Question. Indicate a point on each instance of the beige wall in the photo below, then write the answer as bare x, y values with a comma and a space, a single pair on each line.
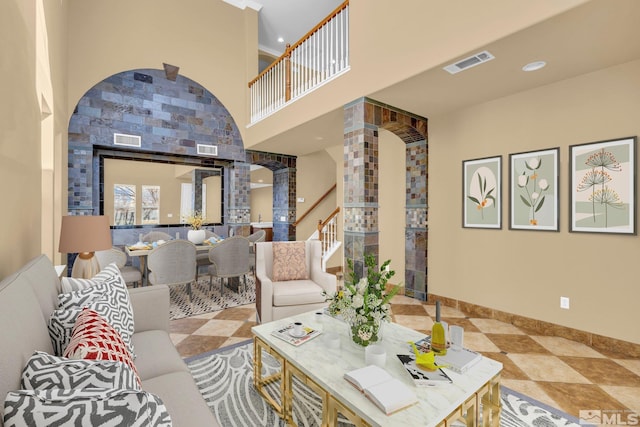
526, 272
315, 176
262, 198
30, 195
213, 43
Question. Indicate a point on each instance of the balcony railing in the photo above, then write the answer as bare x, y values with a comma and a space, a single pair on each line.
321, 55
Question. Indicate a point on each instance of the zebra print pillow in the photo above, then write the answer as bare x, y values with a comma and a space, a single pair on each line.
44, 371
109, 298
97, 407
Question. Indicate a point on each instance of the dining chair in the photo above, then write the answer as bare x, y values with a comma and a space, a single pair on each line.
154, 236
258, 236
229, 258
202, 258
130, 274
173, 263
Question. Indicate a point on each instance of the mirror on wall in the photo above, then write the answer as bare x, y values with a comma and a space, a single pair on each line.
143, 192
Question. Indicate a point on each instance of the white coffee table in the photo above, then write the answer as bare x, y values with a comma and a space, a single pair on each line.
322, 369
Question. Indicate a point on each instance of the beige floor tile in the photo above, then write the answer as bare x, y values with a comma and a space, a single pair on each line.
479, 342
628, 396
176, 338
530, 388
444, 311
631, 364
547, 368
419, 323
207, 316
492, 326
401, 299
564, 347
219, 328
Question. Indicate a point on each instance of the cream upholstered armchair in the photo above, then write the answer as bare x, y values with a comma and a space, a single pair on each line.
282, 287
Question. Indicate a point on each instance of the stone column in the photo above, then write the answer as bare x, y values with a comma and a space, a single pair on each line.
237, 186
284, 204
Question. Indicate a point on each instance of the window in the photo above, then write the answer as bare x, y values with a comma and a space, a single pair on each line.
124, 204
151, 204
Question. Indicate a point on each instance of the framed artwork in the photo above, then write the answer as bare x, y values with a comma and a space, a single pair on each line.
603, 191
482, 199
533, 188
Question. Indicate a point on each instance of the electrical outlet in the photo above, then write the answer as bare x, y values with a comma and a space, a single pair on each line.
283, 218
564, 302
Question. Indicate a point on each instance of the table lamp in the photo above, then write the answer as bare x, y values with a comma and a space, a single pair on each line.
84, 235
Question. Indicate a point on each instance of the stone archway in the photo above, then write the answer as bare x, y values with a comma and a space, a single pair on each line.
362, 119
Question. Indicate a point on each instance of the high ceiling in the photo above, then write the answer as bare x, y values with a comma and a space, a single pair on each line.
584, 39
289, 19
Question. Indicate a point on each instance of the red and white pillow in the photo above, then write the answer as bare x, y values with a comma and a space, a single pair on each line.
94, 338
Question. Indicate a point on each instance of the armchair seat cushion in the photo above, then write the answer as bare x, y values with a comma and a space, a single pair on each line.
296, 292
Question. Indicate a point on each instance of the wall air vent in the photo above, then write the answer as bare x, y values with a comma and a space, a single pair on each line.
127, 140
469, 62
208, 150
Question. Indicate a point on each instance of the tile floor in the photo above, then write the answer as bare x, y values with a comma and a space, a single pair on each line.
556, 371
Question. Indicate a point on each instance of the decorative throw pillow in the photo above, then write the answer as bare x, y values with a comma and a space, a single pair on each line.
289, 261
44, 371
108, 297
97, 407
95, 339
70, 284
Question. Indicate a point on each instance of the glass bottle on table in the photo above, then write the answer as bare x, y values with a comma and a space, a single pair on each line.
438, 336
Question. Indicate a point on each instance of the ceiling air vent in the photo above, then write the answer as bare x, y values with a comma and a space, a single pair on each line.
208, 150
469, 62
127, 140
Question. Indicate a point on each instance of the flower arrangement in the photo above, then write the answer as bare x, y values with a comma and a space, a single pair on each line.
195, 220
364, 302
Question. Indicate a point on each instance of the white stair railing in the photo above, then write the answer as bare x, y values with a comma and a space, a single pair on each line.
320, 56
327, 233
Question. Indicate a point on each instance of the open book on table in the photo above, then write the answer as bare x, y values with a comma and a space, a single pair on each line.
386, 392
286, 333
458, 359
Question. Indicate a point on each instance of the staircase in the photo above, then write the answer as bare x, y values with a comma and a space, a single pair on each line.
327, 233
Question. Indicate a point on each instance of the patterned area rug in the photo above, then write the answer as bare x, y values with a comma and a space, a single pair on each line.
205, 298
225, 379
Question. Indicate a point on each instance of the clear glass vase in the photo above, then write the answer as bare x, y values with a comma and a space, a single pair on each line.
364, 333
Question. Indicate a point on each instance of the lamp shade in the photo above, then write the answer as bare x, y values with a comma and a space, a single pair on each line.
84, 234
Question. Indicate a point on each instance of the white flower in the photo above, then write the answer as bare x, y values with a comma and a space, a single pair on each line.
522, 180
362, 285
543, 184
534, 196
534, 163
358, 301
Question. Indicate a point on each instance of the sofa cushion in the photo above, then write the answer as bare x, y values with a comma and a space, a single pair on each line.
157, 354
44, 371
289, 261
297, 292
109, 298
97, 407
183, 399
95, 339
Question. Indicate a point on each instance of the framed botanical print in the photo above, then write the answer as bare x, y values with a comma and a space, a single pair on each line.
603, 191
533, 190
482, 198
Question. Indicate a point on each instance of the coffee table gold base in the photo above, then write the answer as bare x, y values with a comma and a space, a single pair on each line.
486, 399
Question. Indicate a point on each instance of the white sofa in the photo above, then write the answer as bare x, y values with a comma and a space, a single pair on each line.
277, 300
27, 299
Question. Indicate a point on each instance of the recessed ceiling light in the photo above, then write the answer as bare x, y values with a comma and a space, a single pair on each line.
534, 66
280, 40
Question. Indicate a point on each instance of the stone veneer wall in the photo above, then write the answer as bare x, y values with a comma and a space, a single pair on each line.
171, 117
362, 118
